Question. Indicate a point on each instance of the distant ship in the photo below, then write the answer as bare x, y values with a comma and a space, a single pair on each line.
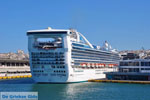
63, 56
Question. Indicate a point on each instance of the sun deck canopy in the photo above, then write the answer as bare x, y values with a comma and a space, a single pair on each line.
47, 31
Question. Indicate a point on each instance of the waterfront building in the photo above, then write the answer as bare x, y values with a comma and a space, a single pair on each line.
135, 69
9, 67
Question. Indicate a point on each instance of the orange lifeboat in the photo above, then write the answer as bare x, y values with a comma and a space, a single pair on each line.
83, 64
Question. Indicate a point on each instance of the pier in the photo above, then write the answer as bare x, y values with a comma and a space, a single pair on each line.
120, 81
13, 77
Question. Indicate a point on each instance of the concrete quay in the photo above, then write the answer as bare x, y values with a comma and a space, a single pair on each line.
14, 77
120, 81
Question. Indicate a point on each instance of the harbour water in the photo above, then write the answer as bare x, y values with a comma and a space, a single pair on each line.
79, 91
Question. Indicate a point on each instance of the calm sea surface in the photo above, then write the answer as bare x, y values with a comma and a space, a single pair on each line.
79, 91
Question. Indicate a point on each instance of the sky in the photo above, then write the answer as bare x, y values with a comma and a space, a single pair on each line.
125, 24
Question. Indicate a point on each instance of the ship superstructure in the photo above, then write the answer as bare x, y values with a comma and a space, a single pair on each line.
67, 56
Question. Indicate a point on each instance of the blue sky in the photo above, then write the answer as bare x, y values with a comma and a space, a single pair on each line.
125, 24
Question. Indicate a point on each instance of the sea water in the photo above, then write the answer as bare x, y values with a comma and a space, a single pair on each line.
79, 91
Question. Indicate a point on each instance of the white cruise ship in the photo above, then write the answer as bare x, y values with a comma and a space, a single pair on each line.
63, 56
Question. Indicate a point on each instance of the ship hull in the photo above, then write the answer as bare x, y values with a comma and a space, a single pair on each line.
78, 75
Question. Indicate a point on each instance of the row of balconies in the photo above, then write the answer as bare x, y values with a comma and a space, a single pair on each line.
47, 56
48, 63
58, 66
47, 53
37, 59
